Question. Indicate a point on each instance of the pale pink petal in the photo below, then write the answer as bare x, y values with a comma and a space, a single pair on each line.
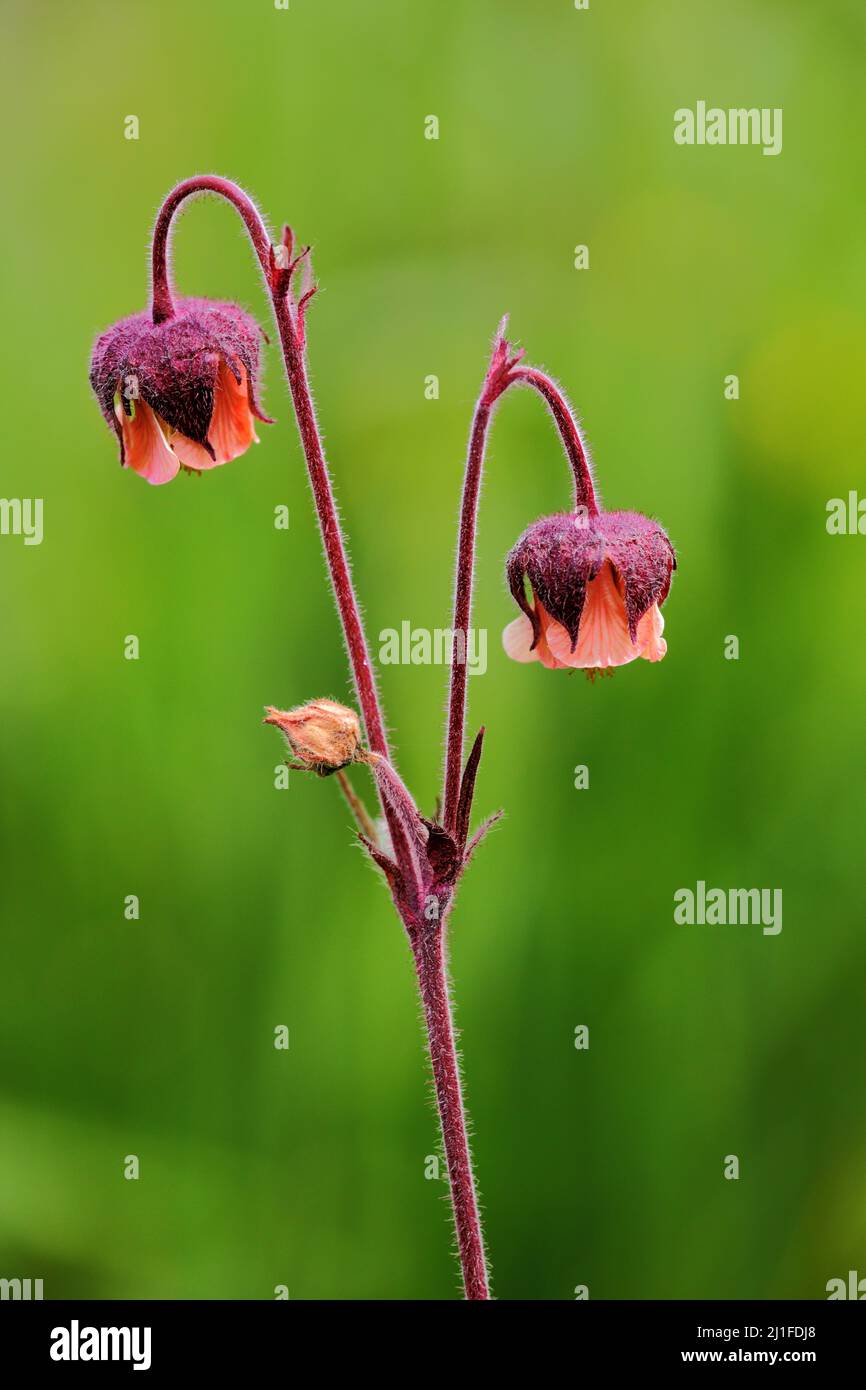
545, 652
191, 455
144, 445
603, 639
517, 640
649, 635
231, 429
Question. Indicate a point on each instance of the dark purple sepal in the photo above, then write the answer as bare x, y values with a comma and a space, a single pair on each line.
643, 559
173, 365
559, 555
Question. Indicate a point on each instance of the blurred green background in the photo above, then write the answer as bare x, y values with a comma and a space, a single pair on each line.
155, 777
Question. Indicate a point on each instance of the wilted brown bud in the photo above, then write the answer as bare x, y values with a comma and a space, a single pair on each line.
323, 735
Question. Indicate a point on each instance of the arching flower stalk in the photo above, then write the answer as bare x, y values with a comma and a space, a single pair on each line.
178, 385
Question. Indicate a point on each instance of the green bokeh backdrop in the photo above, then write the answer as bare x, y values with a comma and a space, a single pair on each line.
155, 777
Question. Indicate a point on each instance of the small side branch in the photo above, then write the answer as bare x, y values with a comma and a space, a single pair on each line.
506, 369
363, 819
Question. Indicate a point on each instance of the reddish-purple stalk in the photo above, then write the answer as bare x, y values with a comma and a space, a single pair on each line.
430, 965
290, 326
503, 372
427, 938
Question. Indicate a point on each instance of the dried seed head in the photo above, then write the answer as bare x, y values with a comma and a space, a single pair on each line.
323, 735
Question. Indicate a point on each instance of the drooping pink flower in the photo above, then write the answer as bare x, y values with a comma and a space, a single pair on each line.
183, 392
596, 584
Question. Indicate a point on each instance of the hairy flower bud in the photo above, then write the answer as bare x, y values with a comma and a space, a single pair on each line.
323, 735
180, 393
597, 583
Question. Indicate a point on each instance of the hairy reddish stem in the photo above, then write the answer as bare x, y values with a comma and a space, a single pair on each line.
563, 415
395, 795
427, 945
162, 302
501, 374
290, 338
428, 948
332, 536
289, 323
463, 610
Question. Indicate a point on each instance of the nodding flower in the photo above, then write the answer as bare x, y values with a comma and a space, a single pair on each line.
590, 587
181, 393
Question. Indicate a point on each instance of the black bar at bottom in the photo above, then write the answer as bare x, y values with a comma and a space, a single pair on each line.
221, 1338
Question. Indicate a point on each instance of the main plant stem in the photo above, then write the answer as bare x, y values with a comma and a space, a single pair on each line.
427, 945
293, 356
332, 536
428, 948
